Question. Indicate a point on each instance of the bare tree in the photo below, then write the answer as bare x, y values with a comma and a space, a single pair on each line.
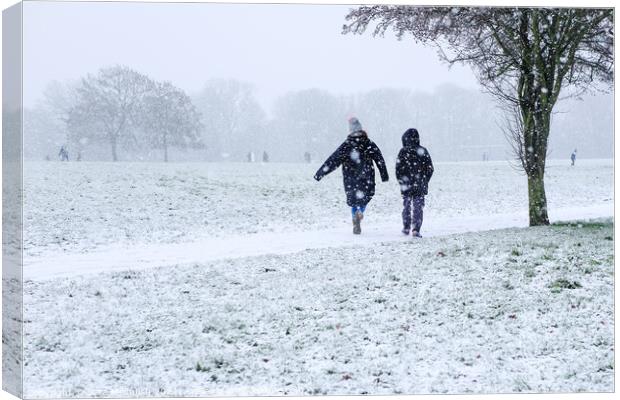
525, 57
310, 120
170, 118
231, 115
108, 105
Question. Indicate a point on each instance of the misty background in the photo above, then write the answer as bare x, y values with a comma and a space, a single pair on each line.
279, 79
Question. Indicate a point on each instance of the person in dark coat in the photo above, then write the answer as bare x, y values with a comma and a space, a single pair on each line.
414, 169
356, 155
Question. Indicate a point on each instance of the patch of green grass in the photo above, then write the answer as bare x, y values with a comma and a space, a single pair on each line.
515, 252
547, 257
584, 224
201, 368
559, 284
520, 385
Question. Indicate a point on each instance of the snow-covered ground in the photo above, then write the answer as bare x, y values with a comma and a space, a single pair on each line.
519, 310
77, 207
218, 279
124, 256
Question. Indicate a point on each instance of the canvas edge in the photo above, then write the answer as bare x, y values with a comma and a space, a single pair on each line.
12, 201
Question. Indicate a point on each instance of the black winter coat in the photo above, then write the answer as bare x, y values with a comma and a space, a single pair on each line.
414, 166
356, 155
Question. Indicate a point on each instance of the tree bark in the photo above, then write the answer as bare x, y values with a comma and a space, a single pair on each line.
113, 146
536, 155
165, 149
537, 200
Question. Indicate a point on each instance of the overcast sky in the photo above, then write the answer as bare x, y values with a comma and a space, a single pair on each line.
276, 47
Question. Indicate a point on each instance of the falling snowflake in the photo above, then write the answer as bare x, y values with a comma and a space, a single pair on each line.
420, 151
355, 155
359, 194
325, 169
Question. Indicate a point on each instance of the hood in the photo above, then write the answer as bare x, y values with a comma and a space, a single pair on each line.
411, 138
359, 140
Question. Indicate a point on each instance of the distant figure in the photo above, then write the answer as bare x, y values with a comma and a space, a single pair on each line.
307, 157
356, 155
573, 157
265, 156
485, 156
79, 156
251, 156
47, 157
414, 169
63, 154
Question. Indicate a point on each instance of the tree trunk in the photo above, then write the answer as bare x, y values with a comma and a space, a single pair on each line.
113, 146
537, 199
165, 149
536, 137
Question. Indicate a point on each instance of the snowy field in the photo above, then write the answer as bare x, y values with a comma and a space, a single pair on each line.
237, 279
77, 207
520, 310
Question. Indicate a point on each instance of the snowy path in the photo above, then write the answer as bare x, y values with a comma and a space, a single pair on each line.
121, 258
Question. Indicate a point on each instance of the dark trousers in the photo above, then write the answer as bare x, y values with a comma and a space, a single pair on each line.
413, 207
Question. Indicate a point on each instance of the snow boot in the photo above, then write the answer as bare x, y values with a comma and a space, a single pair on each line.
416, 234
357, 219
405, 231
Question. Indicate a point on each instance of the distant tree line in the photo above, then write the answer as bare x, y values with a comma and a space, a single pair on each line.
117, 108
120, 114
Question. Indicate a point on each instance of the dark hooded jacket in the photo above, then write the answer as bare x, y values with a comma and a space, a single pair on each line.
356, 155
414, 166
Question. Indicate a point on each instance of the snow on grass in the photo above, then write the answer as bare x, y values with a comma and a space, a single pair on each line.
78, 207
518, 310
